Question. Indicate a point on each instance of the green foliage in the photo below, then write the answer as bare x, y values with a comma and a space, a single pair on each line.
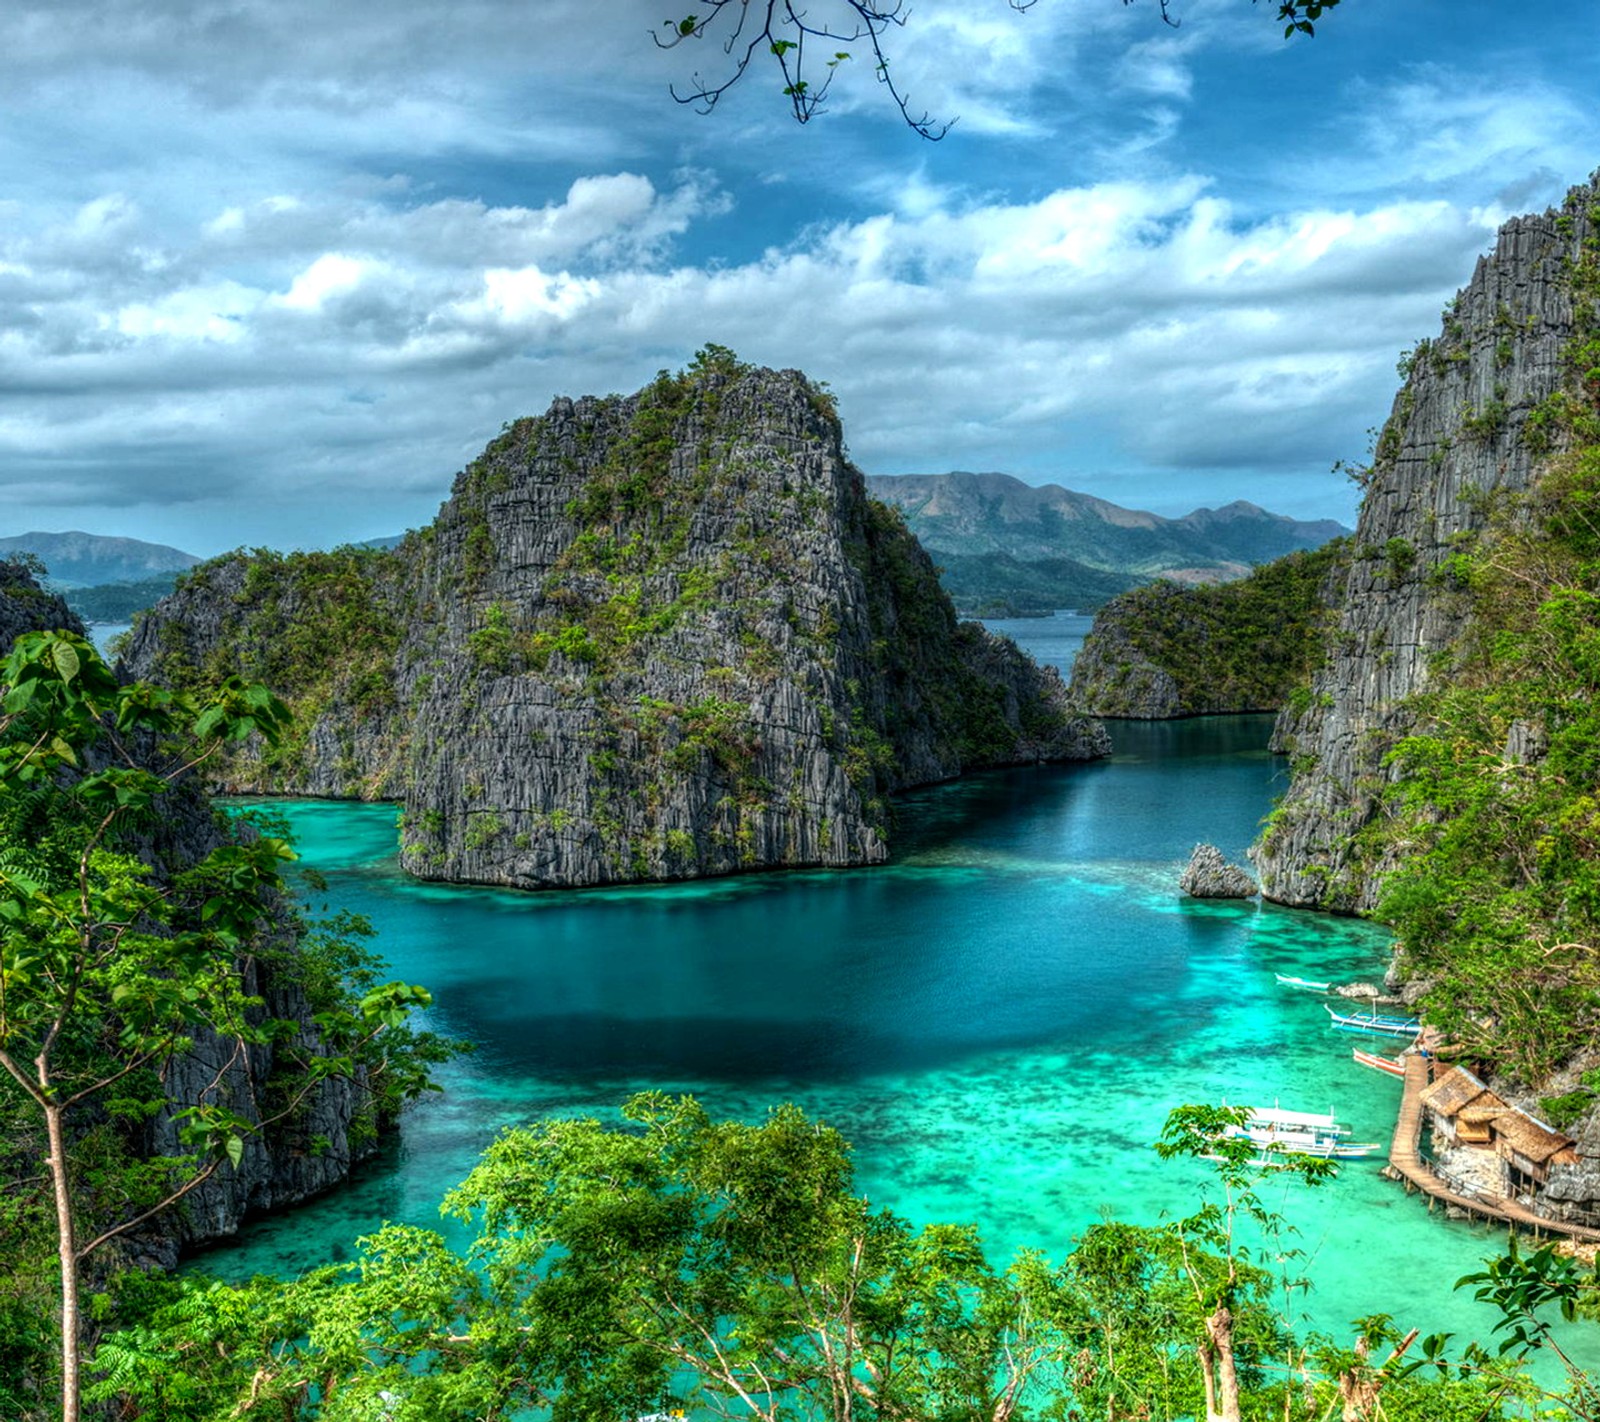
491, 646
1240, 646
1401, 557
118, 948
1523, 1290
998, 585
1485, 424
320, 626
119, 602
1570, 1107
670, 1261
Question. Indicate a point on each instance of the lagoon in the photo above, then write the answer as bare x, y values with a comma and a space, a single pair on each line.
999, 1020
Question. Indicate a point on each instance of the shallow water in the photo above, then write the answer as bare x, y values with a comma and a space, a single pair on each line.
999, 1021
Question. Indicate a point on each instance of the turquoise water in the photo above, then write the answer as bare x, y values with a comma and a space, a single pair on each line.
999, 1021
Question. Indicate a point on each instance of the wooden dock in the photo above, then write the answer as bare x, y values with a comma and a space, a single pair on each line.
1406, 1161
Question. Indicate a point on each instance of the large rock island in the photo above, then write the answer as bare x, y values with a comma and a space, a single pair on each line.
1169, 650
654, 637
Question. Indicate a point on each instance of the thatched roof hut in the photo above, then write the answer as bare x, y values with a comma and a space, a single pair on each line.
1529, 1146
1462, 1108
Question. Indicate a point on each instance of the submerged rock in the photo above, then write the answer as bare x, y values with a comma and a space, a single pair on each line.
1210, 876
1368, 992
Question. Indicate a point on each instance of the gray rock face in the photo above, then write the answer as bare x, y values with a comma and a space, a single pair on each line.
1210, 876
26, 607
285, 1163
1454, 439
1573, 1191
658, 637
1113, 677
279, 1166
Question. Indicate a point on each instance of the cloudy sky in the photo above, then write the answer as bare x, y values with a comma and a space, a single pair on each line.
271, 271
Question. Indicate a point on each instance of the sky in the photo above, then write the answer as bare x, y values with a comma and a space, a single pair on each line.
272, 271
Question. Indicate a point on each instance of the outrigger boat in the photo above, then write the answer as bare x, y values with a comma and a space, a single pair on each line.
1374, 1024
1393, 1065
1285, 981
1278, 1132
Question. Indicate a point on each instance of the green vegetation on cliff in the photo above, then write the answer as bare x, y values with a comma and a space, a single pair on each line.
998, 585
1495, 820
1173, 650
318, 625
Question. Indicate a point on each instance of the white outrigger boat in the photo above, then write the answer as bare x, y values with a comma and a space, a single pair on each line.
1276, 1131
1374, 1024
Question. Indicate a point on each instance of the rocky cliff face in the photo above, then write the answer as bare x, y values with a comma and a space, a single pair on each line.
285, 1163
279, 1166
27, 607
647, 638
1467, 429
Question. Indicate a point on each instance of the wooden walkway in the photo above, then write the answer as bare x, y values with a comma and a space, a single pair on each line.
1409, 1165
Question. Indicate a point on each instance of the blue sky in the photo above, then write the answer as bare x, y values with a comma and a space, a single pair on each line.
272, 272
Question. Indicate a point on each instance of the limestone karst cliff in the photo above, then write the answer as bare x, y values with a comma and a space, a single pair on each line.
1471, 428
25, 606
657, 637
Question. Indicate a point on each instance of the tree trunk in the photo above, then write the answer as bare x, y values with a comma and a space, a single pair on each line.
1208, 1372
67, 1246
1221, 1372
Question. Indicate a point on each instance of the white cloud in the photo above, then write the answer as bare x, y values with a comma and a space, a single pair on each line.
269, 251
1152, 309
332, 274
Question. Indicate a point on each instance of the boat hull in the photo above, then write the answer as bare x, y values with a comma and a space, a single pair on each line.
1389, 1065
1301, 983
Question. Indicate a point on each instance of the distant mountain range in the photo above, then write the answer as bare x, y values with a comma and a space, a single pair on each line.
1009, 548
976, 515
78, 560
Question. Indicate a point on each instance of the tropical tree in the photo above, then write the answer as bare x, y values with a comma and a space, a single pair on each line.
113, 965
1211, 1133
1524, 1290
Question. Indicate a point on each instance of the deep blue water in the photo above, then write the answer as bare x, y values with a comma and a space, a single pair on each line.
999, 1020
